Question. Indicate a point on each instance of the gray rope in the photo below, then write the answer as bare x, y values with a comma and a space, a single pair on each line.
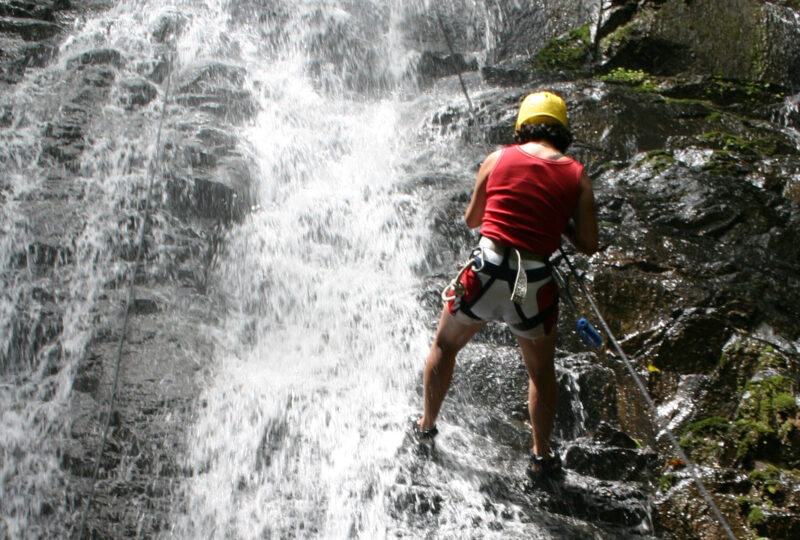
131, 295
645, 394
452, 53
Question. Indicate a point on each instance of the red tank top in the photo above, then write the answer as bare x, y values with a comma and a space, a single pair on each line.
529, 200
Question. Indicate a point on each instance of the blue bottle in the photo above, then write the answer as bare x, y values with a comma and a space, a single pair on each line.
588, 333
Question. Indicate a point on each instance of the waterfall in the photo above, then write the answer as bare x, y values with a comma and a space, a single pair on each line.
301, 424
319, 336
300, 127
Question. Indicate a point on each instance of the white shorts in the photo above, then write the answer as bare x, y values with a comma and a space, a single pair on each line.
487, 293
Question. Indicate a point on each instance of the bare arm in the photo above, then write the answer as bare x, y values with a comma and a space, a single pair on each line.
477, 205
583, 234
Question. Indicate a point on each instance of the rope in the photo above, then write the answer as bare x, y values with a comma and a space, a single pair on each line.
131, 296
452, 53
657, 418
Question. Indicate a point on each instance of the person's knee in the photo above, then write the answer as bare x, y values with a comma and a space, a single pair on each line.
447, 347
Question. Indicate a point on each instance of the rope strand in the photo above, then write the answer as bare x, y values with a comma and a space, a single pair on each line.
131, 295
453, 54
646, 395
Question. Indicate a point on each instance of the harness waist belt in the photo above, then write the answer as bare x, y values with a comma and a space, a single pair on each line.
501, 267
505, 273
498, 248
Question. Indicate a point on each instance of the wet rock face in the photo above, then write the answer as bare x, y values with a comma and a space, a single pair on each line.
668, 38
431, 66
30, 32
698, 261
76, 224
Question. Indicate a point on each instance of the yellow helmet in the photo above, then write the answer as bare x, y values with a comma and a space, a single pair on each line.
542, 108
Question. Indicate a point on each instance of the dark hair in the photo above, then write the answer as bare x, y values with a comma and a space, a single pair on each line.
555, 134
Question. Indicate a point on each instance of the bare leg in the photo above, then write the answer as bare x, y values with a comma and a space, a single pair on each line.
538, 356
451, 336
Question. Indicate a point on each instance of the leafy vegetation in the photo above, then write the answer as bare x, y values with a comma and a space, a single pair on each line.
726, 91
659, 160
637, 79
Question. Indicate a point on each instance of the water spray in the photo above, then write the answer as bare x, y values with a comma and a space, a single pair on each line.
154, 166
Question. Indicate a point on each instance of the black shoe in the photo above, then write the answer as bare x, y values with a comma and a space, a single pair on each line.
422, 438
545, 468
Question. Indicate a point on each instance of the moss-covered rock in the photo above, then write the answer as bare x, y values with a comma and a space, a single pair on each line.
637, 79
766, 422
754, 147
752, 410
659, 160
737, 40
569, 53
634, 46
705, 440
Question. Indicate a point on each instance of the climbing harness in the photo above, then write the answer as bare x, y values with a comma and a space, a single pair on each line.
455, 289
477, 262
131, 290
646, 395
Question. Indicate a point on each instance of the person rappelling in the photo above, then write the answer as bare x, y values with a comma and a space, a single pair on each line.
525, 197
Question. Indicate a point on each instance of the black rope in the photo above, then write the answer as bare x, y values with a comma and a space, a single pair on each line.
131, 297
645, 394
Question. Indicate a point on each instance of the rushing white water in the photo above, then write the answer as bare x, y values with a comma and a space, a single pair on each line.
321, 341
302, 422
322, 337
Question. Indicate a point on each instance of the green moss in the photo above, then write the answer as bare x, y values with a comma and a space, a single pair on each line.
754, 147
637, 79
745, 501
666, 481
774, 488
659, 160
770, 472
568, 53
620, 36
701, 438
727, 92
784, 404
712, 424
771, 485
724, 163
764, 416
769, 358
755, 517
